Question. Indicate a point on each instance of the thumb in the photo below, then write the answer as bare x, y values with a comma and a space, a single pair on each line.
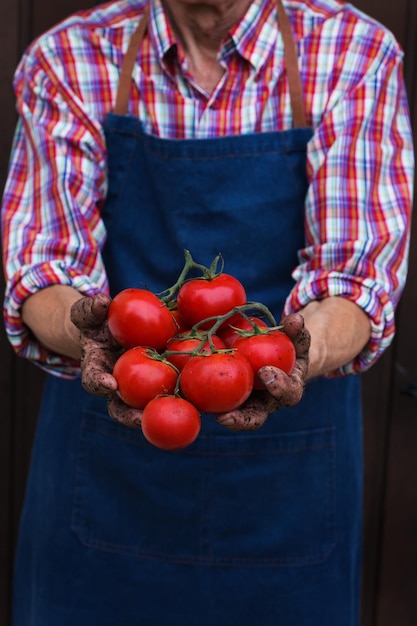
90, 311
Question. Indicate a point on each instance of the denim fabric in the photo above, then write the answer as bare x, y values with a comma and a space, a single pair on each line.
251, 528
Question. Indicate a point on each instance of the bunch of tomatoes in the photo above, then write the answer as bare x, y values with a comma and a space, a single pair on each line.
196, 348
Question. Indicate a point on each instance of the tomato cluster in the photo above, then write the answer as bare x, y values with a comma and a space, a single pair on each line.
194, 350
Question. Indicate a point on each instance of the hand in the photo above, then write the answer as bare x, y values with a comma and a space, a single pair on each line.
282, 390
99, 352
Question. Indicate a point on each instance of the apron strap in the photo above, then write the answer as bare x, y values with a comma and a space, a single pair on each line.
290, 55
293, 73
125, 80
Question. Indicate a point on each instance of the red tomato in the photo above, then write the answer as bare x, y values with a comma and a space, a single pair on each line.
142, 375
170, 423
180, 324
217, 383
137, 317
274, 348
229, 333
183, 344
200, 298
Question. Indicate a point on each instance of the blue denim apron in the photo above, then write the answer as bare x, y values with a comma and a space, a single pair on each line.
239, 528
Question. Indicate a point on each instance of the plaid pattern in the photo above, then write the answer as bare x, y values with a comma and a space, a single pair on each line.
359, 161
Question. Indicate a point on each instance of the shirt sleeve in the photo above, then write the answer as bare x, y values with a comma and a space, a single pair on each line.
358, 206
52, 231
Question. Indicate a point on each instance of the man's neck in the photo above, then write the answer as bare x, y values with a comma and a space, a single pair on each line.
201, 26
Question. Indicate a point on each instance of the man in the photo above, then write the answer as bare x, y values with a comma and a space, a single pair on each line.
279, 136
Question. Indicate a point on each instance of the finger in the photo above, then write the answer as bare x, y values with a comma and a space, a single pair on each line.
99, 337
251, 416
295, 329
98, 382
293, 324
90, 311
122, 413
246, 419
286, 390
97, 367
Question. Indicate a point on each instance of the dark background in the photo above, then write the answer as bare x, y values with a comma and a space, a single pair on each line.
390, 555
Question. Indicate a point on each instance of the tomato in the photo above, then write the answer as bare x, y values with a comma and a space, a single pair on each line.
273, 348
137, 317
229, 333
186, 343
141, 375
217, 383
170, 423
200, 298
181, 326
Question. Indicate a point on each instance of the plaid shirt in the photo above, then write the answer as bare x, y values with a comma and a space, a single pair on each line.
359, 161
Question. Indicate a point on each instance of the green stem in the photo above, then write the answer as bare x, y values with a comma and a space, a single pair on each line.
208, 335
194, 333
168, 295
249, 306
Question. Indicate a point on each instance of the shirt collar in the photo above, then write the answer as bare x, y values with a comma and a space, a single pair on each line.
254, 35
251, 37
160, 30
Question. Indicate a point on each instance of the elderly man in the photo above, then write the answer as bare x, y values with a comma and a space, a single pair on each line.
277, 133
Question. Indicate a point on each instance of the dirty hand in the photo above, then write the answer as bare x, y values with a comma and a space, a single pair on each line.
282, 390
99, 352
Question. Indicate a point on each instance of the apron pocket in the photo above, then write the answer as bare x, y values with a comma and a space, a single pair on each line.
131, 498
233, 500
272, 499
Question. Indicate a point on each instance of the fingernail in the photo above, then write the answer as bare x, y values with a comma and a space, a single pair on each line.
225, 421
266, 378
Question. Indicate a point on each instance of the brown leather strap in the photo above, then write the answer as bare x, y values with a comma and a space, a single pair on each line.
293, 73
290, 54
125, 80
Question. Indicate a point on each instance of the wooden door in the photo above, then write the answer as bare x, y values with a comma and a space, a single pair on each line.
390, 403
390, 424
20, 381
